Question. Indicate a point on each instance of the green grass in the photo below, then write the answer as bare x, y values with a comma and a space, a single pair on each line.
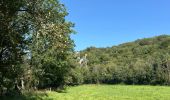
106, 92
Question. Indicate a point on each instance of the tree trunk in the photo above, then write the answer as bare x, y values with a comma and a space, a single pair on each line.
22, 84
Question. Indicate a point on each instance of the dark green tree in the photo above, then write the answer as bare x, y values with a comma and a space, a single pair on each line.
13, 43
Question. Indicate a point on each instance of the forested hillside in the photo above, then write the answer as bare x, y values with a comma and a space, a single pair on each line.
144, 61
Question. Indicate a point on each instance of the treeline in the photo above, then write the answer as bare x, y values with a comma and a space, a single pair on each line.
35, 45
144, 61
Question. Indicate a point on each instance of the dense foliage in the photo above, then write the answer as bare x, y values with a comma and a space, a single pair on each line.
144, 61
35, 45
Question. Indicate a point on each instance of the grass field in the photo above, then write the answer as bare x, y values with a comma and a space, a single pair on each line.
106, 92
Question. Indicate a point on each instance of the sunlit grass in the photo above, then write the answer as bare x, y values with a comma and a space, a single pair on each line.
107, 92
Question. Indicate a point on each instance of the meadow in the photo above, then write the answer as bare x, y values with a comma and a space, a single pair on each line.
103, 92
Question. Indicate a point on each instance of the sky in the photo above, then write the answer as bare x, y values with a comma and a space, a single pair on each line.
105, 23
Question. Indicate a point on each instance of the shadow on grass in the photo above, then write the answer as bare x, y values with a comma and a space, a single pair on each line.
61, 91
32, 95
28, 96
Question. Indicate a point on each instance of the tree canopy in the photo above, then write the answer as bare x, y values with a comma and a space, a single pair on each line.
144, 61
35, 44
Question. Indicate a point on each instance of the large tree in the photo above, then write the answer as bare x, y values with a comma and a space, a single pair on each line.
51, 42
37, 28
13, 44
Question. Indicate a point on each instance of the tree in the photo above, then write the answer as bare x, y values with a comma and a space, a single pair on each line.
13, 44
51, 42
37, 28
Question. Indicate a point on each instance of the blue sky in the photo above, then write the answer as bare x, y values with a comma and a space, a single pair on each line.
104, 23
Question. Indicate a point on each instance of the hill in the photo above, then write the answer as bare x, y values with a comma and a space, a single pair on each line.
144, 61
